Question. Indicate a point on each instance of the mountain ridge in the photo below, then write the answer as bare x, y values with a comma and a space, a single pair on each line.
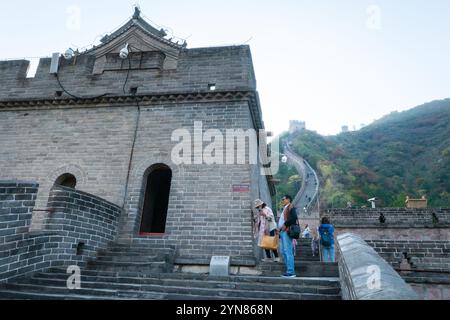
402, 154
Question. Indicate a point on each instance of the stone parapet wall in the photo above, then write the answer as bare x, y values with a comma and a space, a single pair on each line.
365, 275
77, 227
395, 218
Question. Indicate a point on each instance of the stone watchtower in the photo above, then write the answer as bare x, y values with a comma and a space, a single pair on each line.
104, 124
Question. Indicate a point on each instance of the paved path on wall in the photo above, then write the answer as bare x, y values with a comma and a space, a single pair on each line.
310, 181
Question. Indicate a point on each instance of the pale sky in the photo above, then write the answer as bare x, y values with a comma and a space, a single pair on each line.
327, 62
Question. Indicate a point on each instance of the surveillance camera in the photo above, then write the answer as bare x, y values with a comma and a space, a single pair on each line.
124, 52
69, 54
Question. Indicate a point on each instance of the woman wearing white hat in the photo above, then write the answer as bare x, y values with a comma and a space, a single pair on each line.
267, 226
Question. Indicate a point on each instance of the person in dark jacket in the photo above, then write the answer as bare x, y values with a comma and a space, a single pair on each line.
287, 219
326, 231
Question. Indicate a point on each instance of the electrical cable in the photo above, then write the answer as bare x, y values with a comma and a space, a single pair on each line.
128, 72
74, 96
64, 89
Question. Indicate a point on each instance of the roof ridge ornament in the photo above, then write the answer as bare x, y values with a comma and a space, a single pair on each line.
137, 12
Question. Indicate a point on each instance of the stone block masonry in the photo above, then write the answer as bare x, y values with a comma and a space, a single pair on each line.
425, 255
365, 275
229, 68
415, 242
79, 226
431, 224
109, 134
396, 218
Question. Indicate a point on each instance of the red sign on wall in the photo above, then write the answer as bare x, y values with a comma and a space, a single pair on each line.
241, 188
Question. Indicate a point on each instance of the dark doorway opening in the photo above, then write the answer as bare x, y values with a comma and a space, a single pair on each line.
67, 180
156, 201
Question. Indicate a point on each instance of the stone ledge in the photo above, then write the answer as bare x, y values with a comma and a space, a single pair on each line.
235, 261
356, 262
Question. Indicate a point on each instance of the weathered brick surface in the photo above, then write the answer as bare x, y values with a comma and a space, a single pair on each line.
418, 234
365, 275
94, 145
81, 217
431, 291
422, 236
400, 218
205, 216
425, 255
78, 217
230, 68
94, 139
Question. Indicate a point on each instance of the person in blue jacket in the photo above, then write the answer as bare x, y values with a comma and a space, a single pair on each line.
326, 231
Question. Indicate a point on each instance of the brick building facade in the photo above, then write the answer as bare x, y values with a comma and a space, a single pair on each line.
105, 124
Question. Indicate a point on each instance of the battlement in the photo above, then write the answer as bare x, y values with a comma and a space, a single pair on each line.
152, 64
13, 70
393, 217
227, 68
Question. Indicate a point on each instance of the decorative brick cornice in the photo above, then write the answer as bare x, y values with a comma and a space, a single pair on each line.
123, 99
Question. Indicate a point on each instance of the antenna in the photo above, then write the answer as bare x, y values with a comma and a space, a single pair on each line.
55, 63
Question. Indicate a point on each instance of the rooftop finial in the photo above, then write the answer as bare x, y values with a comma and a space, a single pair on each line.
137, 12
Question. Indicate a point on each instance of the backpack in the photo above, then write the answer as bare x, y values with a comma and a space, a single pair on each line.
325, 239
294, 231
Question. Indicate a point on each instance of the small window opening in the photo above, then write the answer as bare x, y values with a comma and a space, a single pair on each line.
133, 90
80, 248
67, 180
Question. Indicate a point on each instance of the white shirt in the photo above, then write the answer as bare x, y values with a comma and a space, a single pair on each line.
281, 221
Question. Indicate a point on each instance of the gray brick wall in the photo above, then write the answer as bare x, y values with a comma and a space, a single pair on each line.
93, 141
78, 217
426, 255
230, 68
357, 262
395, 218
93, 144
81, 217
205, 216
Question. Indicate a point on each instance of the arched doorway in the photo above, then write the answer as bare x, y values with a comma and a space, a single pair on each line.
156, 200
66, 180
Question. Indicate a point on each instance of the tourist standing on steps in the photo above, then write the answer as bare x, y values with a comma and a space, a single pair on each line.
315, 242
326, 231
307, 232
267, 226
287, 219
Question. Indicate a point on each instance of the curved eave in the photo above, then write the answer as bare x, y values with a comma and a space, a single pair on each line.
127, 27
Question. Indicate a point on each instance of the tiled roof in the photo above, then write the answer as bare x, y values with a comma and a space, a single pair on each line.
138, 22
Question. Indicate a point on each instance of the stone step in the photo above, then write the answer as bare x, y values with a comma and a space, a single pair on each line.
302, 268
249, 283
249, 261
153, 266
17, 295
128, 258
137, 251
92, 275
142, 292
165, 285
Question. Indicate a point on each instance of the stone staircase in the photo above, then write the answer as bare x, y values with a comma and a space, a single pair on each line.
134, 258
140, 272
306, 265
106, 285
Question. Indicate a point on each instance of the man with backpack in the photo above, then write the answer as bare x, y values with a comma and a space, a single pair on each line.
289, 230
326, 231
